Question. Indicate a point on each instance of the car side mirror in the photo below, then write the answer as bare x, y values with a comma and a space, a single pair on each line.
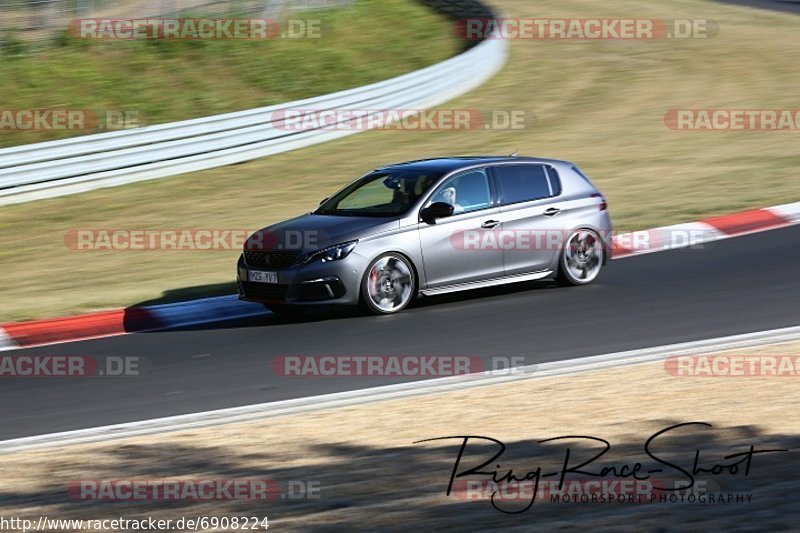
436, 210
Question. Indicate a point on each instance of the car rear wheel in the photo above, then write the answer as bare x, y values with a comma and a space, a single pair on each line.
389, 284
581, 258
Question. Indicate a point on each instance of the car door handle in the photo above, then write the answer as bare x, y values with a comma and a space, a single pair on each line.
489, 224
552, 211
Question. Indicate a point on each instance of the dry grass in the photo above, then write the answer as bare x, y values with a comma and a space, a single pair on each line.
371, 474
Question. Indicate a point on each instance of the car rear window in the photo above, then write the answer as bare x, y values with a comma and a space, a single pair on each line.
521, 183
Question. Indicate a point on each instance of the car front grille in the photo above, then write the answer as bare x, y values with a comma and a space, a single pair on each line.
272, 260
264, 291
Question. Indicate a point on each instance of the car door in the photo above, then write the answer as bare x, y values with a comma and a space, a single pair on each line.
531, 215
453, 250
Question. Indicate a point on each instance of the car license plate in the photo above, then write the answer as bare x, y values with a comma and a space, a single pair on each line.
259, 276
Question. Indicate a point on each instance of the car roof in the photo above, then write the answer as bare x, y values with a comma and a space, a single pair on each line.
449, 164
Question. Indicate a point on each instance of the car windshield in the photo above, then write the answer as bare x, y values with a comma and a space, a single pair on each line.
383, 193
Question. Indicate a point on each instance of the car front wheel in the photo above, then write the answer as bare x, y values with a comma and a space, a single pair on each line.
388, 285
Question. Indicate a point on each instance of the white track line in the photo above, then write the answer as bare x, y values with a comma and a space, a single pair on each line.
391, 392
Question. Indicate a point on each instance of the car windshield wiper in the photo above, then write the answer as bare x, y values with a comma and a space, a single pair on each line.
337, 213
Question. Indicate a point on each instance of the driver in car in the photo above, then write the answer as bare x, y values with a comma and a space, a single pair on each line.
448, 196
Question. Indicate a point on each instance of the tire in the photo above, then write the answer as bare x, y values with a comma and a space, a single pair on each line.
389, 284
581, 259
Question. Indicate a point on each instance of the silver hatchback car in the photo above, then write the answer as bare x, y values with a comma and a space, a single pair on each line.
430, 227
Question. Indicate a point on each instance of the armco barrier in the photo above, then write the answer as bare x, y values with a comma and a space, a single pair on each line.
84, 163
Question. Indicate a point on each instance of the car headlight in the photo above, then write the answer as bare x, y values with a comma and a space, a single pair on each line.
332, 253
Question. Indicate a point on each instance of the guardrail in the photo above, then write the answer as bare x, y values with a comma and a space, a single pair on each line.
78, 164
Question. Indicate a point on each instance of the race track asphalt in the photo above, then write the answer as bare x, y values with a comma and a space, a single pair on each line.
733, 286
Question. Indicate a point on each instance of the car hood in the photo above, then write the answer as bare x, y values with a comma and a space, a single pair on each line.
312, 232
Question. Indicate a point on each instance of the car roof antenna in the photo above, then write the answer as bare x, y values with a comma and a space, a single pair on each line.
513, 154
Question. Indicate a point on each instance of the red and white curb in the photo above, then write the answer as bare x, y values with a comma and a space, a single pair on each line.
121, 321
221, 308
706, 230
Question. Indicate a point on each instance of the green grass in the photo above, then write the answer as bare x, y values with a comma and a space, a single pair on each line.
172, 80
600, 104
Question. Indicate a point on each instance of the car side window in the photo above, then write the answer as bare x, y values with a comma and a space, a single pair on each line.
468, 191
555, 180
522, 183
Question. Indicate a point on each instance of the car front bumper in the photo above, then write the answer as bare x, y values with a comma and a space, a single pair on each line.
316, 283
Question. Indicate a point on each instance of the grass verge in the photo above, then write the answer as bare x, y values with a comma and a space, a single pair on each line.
168, 80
